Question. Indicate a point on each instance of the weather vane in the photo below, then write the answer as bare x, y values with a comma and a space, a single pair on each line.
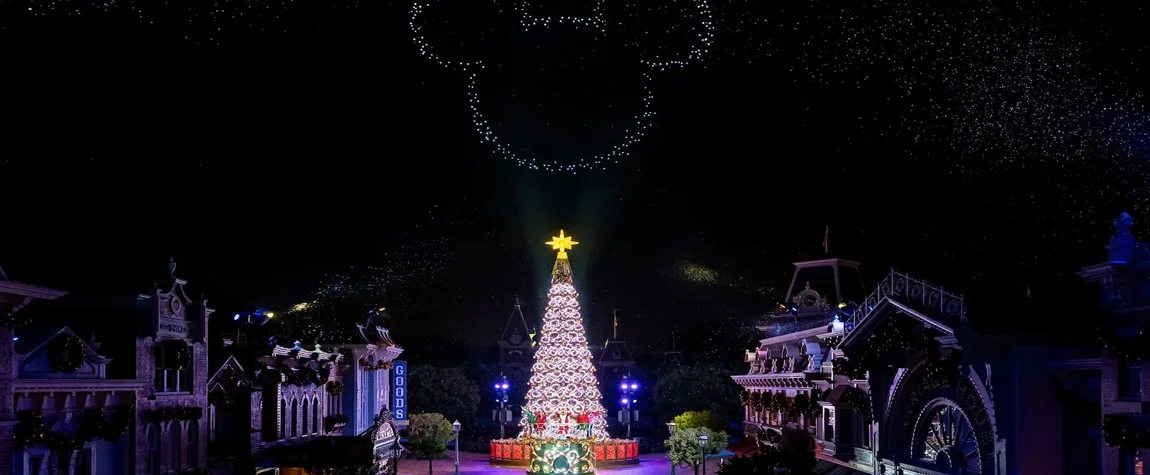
561, 244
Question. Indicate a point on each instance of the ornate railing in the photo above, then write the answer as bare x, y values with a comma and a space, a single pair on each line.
935, 301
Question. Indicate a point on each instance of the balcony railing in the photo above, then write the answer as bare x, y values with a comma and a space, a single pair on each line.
934, 301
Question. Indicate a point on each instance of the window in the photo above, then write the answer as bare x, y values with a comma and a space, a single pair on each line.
173, 373
294, 411
283, 419
303, 427
829, 428
153, 436
1129, 463
315, 416
194, 444
36, 464
1129, 380
84, 462
177, 462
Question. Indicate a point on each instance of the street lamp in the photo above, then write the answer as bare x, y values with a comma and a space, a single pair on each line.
703, 450
502, 388
671, 427
395, 450
627, 388
455, 425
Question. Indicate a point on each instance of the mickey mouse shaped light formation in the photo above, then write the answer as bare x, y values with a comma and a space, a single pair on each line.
470, 70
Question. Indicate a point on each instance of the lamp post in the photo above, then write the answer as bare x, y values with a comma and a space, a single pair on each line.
395, 450
502, 387
671, 428
703, 450
455, 425
627, 388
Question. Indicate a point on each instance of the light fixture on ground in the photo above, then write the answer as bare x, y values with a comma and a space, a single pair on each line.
703, 451
455, 425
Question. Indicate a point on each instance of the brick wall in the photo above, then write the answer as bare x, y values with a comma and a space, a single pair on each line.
148, 401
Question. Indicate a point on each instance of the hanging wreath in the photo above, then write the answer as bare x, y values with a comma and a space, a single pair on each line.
66, 353
861, 402
181, 354
334, 387
778, 402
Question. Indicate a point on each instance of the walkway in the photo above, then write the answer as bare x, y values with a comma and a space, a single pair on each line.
475, 464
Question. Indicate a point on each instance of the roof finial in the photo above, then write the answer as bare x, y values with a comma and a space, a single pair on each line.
517, 302
172, 266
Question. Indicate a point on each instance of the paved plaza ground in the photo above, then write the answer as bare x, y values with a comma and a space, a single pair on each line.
649, 464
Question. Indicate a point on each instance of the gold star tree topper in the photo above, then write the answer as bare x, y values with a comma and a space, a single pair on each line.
561, 244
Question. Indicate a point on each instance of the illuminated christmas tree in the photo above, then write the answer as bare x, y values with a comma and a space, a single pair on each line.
563, 400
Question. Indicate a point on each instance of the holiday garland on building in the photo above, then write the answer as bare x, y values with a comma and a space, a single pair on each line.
1115, 433
94, 424
861, 402
334, 387
1128, 348
14, 320
563, 386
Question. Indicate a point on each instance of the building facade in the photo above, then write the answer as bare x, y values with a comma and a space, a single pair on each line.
899, 383
89, 401
1124, 284
277, 409
516, 349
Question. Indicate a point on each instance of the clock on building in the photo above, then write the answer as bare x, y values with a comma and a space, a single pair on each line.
515, 339
175, 304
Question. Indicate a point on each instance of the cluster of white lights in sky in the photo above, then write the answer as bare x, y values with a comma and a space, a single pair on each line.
471, 70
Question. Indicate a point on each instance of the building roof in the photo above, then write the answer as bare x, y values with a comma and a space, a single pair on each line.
516, 324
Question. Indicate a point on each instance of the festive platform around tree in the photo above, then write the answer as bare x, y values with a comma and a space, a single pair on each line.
563, 428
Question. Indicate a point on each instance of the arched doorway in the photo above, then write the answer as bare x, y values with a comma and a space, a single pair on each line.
945, 437
941, 422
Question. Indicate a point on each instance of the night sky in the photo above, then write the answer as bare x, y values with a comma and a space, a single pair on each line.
288, 152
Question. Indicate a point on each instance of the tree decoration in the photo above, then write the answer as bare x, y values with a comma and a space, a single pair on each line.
596, 23
861, 402
66, 353
334, 387
563, 383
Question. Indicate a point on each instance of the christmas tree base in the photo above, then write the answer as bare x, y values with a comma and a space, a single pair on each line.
605, 453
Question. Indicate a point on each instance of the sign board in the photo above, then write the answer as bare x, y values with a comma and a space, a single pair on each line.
171, 327
399, 391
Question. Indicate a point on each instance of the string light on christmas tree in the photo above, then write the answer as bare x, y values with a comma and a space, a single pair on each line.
703, 36
563, 398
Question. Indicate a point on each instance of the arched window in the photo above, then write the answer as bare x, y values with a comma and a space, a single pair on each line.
303, 418
315, 416
194, 443
153, 461
294, 421
176, 442
283, 419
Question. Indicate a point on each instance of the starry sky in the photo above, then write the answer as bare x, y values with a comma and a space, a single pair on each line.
345, 151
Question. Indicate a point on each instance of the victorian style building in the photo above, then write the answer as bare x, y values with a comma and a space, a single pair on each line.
1124, 282
895, 381
79, 399
516, 348
278, 409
